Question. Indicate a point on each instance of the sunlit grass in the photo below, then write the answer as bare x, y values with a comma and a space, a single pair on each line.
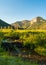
41, 50
9, 30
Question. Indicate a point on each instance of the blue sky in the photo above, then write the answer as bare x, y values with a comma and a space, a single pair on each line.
16, 10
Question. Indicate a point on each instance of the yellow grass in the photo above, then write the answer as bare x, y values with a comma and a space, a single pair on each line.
9, 30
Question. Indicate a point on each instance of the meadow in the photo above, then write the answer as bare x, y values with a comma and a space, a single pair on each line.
33, 43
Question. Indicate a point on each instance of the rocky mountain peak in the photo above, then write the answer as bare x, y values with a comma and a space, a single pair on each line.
37, 19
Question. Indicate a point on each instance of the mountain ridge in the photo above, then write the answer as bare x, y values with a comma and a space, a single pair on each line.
35, 23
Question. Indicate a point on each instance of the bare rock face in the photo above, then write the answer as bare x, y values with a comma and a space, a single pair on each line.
33, 20
37, 19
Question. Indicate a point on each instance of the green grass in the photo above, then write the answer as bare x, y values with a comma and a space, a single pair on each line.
6, 60
36, 39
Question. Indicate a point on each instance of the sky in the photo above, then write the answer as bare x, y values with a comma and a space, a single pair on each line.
17, 10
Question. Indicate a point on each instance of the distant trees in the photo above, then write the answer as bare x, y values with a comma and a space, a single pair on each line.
6, 27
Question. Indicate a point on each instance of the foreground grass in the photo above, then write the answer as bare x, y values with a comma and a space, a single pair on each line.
6, 60
39, 41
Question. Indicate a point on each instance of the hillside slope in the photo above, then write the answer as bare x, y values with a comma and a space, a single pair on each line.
3, 24
36, 23
21, 24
